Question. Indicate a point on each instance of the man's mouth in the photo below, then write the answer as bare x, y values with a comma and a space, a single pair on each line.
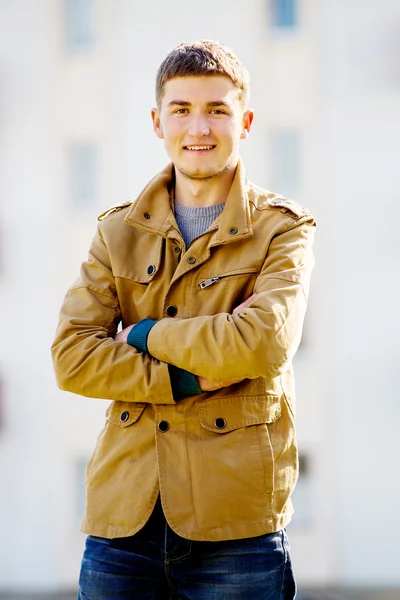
199, 148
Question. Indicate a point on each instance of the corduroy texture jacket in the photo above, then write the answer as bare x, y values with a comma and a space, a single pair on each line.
225, 462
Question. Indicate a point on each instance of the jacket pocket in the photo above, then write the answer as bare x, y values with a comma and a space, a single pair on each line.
124, 414
206, 282
140, 262
225, 290
236, 450
112, 456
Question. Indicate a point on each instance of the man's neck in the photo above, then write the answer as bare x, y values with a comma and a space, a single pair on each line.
203, 192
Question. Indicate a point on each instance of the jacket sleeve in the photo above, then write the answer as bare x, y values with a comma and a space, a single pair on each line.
87, 360
263, 338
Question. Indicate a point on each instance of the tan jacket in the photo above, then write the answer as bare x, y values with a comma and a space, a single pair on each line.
227, 464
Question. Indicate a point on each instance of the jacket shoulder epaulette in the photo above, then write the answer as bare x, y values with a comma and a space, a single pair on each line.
288, 205
113, 209
264, 199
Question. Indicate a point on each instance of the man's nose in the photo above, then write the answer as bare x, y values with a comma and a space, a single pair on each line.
198, 127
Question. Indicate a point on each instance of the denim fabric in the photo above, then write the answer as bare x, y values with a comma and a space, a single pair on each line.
157, 564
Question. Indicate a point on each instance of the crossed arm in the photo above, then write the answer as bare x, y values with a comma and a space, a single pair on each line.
256, 340
88, 356
204, 384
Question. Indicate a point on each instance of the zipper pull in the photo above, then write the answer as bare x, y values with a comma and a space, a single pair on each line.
208, 282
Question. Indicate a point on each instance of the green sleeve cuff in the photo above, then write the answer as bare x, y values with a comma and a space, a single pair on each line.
137, 336
183, 383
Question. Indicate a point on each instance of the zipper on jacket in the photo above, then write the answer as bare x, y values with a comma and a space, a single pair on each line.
209, 282
243, 271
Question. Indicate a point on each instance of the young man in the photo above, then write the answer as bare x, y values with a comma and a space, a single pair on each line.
188, 490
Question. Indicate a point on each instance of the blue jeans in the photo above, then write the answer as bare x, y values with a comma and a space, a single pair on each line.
157, 564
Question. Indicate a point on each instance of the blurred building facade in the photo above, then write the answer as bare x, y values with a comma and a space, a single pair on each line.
76, 89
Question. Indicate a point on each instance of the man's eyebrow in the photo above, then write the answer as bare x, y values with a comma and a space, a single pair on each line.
179, 103
219, 103
186, 103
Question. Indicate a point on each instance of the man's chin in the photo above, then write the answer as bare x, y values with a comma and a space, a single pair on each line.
201, 173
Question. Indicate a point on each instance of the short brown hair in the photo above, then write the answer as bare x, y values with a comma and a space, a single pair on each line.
203, 57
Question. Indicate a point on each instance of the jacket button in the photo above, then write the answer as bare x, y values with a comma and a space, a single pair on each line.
163, 426
146, 215
191, 260
171, 310
151, 269
177, 249
233, 231
220, 423
124, 416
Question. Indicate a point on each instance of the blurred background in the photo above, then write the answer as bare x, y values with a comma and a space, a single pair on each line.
76, 89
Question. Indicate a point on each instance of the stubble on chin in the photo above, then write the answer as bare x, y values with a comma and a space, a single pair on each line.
199, 174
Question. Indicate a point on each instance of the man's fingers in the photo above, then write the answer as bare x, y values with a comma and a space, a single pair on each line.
209, 386
122, 336
244, 304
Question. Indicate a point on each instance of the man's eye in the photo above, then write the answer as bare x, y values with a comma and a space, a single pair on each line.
180, 111
218, 111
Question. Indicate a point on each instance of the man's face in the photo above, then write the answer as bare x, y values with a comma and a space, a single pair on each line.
201, 121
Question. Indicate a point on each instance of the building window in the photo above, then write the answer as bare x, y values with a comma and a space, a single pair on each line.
284, 14
79, 25
83, 167
286, 151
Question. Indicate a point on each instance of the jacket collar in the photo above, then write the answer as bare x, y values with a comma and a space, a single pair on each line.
153, 211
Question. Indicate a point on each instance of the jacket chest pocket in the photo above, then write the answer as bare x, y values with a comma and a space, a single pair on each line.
139, 280
228, 289
114, 452
236, 451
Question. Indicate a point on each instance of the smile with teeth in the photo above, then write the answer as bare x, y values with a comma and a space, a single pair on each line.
199, 147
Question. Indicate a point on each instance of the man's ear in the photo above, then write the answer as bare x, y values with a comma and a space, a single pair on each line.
247, 121
155, 117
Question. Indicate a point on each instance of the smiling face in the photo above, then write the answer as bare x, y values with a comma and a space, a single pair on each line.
202, 121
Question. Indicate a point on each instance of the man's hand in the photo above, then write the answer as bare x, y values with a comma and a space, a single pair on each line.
210, 386
122, 336
244, 304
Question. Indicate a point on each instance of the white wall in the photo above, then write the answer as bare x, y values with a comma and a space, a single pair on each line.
363, 96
